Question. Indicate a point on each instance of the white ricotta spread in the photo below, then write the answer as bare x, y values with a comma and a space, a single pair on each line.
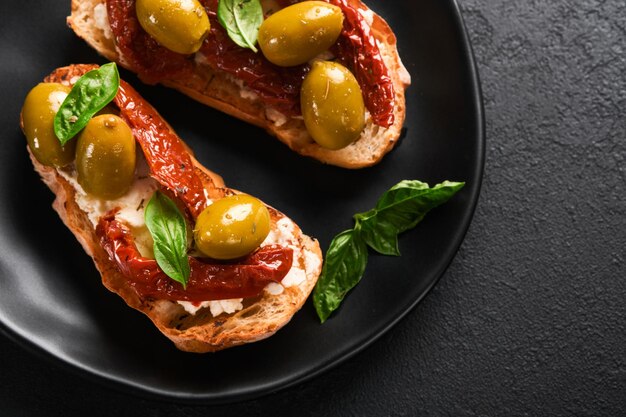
244, 92
275, 116
131, 204
56, 98
368, 15
217, 307
101, 20
248, 94
296, 276
200, 59
283, 235
274, 288
311, 261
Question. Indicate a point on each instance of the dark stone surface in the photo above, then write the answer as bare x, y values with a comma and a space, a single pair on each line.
529, 319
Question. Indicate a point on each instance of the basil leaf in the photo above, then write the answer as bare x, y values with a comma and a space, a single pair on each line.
399, 209
241, 19
90, 94
345, 263
169, 231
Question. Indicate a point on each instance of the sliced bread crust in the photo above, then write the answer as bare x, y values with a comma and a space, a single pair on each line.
220, 91
260, 317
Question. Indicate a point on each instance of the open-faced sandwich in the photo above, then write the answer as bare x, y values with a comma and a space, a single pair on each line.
326, 78
210, 266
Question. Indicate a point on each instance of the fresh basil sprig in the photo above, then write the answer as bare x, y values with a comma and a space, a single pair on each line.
241, 19
169, 231
345, 264
399, 209
94, 90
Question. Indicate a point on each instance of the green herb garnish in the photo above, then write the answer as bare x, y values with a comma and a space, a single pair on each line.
90, 94
241, 19
169, 231
399, 209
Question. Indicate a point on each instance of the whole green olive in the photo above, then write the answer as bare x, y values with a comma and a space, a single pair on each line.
232, 227
40, 107
332, 105
179, 25
105, 157
300, 32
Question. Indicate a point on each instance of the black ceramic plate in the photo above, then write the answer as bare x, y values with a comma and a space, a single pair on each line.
51, 298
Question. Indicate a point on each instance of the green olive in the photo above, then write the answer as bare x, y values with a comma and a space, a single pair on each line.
179, 25
232, 227
332, 105
105, 157
298, 33
40, 107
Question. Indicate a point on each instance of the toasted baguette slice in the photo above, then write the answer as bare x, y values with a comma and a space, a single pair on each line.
221, 91
200, 332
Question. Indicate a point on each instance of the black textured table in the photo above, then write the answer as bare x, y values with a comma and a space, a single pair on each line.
530, 317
